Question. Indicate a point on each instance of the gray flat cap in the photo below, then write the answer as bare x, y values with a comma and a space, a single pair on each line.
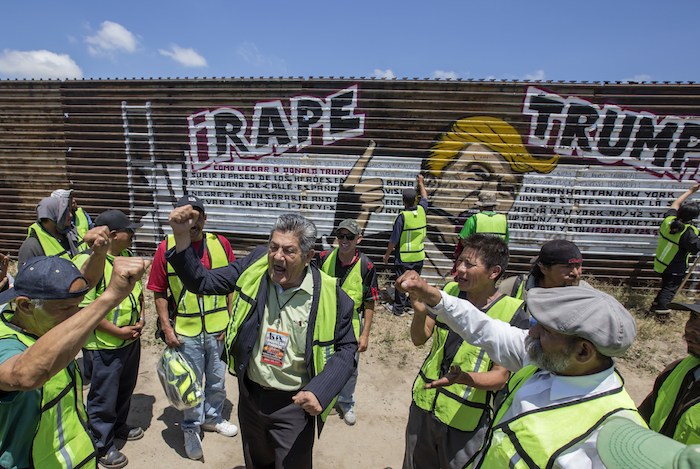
586, 313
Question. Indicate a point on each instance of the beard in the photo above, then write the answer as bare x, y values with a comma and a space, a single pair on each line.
555, 362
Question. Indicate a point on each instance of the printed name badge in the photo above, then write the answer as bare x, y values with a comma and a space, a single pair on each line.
275, 347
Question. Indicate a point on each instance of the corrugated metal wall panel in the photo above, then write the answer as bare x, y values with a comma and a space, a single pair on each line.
256, 148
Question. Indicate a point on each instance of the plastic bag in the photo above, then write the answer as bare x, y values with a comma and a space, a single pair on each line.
178, 380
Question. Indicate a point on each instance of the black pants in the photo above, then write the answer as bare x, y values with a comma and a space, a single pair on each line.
670, 282
113, 380
401, 301
276, 433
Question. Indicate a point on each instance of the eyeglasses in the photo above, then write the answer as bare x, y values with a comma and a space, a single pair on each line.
347, 237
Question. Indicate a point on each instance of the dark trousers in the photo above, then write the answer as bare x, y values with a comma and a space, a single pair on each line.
670, 282
276, 433
113, 380
401, 301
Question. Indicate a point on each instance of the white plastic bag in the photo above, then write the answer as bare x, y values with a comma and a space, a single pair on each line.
178, 380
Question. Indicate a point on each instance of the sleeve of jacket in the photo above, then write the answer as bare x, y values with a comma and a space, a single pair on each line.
340, 366
197, 279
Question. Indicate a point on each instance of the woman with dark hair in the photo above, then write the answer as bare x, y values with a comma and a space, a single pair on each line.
678, 239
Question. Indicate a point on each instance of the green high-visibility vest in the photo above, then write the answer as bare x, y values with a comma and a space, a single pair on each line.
127, 313
194, 312
536, 438
244, 296
458, 406
49, 244
80, 221
495, 224
61, 439
411, 248
687, 428
351, 284
667, 246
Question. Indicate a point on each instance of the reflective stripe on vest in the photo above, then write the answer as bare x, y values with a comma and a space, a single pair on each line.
50, 245
199, 312
351, 284
667, 246
244, 301
495, 224
413, 234
61, 440
686, 430
536, 438
458, 406
127, 313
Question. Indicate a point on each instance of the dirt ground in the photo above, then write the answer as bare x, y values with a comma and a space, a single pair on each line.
383, 395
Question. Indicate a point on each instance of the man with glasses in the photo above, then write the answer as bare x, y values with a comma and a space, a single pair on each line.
195, 325
358, 278
113, 349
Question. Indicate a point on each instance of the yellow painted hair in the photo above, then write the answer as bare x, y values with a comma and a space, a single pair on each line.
496, 134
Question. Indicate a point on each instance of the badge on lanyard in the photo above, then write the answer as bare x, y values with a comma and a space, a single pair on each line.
275, 347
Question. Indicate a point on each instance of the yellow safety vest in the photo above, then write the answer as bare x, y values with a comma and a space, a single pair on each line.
458, 406
667, 246
536, 438
80, 220
687, 428
50, 245
194, 312
127, 313
411, 248
61, 439
351, 284
495, 224
245, 295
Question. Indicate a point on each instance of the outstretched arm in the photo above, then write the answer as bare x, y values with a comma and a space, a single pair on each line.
679, 201
54, 350
492, 380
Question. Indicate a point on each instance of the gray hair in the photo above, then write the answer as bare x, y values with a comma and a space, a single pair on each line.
303, 228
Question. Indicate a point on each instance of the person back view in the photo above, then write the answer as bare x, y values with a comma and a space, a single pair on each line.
678, 239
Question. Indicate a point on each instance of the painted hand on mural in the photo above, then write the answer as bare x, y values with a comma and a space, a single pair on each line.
358, 198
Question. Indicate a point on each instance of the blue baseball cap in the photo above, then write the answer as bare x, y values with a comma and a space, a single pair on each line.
45, 278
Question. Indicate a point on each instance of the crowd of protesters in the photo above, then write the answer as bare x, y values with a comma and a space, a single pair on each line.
510, 358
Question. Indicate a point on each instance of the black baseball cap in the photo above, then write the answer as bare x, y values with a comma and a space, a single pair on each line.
45, 278
559, 251
192, 200
116, 220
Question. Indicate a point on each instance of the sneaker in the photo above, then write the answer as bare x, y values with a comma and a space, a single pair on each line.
114, 459
398, 313
224, 427
662, 315
129, 433
193, 444
349, 416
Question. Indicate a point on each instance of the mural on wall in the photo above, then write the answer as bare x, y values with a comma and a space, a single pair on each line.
560, 166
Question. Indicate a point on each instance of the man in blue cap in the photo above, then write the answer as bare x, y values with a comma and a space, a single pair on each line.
44, 423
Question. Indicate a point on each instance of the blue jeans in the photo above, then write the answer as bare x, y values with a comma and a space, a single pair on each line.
203, 352
346, 398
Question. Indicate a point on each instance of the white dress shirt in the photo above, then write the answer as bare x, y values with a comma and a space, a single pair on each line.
505, 344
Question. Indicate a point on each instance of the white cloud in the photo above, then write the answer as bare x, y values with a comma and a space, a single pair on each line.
185, 57
250, 53
445, 75
384, 74
536, 75
112, 37
38, 64
639, 77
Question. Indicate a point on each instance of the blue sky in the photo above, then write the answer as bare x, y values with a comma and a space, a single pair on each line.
592, 40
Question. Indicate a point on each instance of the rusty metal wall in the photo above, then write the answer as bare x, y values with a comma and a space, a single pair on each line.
596, 163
